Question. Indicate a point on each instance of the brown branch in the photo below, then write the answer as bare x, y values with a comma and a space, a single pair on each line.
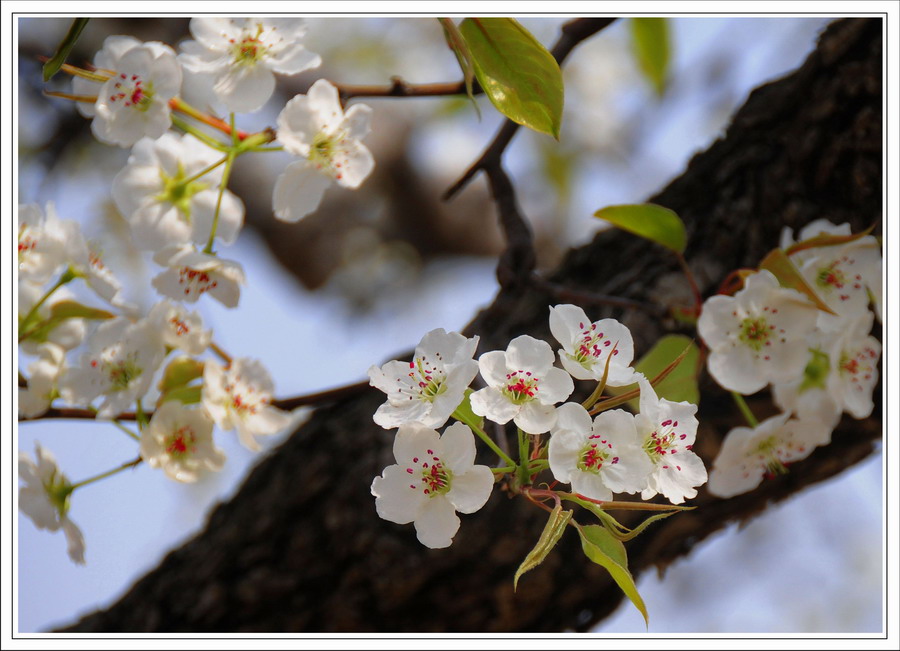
573, 32
400, 88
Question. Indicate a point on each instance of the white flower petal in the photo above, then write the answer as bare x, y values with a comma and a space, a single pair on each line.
471, 490
536, 418
298, 191
458, 445
493, 405
395, 501
436, 523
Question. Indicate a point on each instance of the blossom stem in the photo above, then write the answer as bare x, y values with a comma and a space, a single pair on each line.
199, 135
84, 74
229, 161
204, 172
524, 454
698, 298
745, 409
178, 104
595, 396
68, 276
503, 470
120, 426
484, 437
108, 473
225, 357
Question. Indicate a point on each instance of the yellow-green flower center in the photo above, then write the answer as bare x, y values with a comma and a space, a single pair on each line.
177, 192
754, 332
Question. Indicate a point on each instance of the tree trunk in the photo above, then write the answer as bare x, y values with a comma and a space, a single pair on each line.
300, 547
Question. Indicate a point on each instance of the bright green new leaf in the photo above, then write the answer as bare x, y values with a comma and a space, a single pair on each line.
75, 310
789, 276
62, 52
465, 414
653, 50
606, 550
187, 395
675, 357
517, 73
551, 534
179, 372
649, 221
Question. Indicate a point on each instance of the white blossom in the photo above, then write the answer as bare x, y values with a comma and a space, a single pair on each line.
430, 387
434, 477
240, 55
667, 430
179, 328
598, 458
238, 398
43, 246
133, 102
45, 499
315, 128
522, 386
179, 440
855, 366
191, 274
749, 454
119, 365
43, 374
758, 335
588, 346
164, 207
845, 275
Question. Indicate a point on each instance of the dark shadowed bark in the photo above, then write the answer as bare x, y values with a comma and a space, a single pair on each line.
300, 547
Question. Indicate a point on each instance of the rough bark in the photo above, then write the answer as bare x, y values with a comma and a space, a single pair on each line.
300, 547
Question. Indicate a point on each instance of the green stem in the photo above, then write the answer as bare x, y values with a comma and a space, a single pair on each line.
484, 437
503, 470
229, 161
108, 473
204, 172
745, 409
126, 430
595, 396
198, 134
68, 276
524, 453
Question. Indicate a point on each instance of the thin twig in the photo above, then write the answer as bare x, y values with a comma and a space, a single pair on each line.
400, 88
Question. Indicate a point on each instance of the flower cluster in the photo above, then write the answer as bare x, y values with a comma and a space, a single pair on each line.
122, 366
819, 364
615, 452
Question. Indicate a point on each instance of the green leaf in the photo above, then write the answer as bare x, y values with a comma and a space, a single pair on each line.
551, 534
650, 37
187, 395
649, 221
62, 52
518, 74
680, 382
825, 239
457, 43
465, 414
179, 372
606, 550
75, 310
643, 525
789, 276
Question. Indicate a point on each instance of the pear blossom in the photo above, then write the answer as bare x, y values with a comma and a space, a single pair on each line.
191, 274
598, 458
749, 454
587, 346
43, 374
667, 431
67, 334
855, 366
133, 102
434, 477
523, 385
808, 395
45, 499
179, 328
758, 335
164, 207
238, 398
179, 440
240, 56
315, 127
844, 276
430, 387
119, 366
87, 262
43, 242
